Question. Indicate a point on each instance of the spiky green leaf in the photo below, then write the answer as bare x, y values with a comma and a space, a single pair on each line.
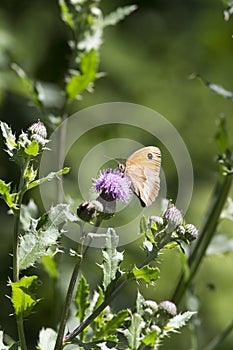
81, 81
147, 273
22, 298
179, 320
81, 298
49, 177
2, 345
36, 242
50, 265
9, 137
32, 149
112, 258
133, 333
66, 15
7, 196
114, 17
110, 327
151, 338
47, 339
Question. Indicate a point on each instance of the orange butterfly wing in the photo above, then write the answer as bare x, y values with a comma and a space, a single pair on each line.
143, 168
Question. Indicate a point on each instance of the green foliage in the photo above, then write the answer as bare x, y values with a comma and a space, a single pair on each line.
7, 196
147, 273
40, 237
47, 339
112, 258
81, 81
22, 299
81, 298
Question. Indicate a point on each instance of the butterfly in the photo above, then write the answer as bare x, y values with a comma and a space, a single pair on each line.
142, 169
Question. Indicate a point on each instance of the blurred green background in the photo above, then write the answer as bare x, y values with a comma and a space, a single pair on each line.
148, 58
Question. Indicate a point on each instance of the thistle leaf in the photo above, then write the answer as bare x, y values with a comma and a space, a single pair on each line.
112, 258
9, 137
47, 339
49, 177
22, 298
179, 321
147, 273
7, 196
2, 346
81, 81
133, 333
116, 16
82, 296
66, 15
42, 234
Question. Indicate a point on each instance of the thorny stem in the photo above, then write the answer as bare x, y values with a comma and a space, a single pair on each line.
108, 300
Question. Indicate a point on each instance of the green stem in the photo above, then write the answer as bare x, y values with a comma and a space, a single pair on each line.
65, 313
108, 300
19, 318
214, 344
207, 231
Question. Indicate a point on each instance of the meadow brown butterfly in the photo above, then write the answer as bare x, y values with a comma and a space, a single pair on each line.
142, 168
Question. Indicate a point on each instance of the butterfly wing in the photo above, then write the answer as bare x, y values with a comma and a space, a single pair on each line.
142, 168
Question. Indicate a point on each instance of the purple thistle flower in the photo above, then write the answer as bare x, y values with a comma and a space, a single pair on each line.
113, 183
191, 232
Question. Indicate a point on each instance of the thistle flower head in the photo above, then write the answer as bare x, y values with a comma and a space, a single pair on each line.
173, 217
191, 232
113, 183
38, 132
168, 307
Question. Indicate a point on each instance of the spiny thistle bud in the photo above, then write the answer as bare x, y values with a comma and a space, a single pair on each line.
180, 230
168, 308
191, 232
38, 132
87, 211
173, 217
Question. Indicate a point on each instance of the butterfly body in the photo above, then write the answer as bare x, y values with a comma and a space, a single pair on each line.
143, 168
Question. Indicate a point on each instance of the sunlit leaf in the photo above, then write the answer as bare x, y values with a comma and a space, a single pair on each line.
114, 17
36, 242
81, 298
150, 338
7, 196
9, 137
66, 15
47, 339
81, 81
110, 327
2, 346
179, 321
22, 298
147, 273
133, 333
49, 265
49, 177
32, 149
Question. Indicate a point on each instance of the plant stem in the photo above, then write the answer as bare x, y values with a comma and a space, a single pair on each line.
214, 344
69, 296
207, 231
19, 318
107, 301
65, 313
